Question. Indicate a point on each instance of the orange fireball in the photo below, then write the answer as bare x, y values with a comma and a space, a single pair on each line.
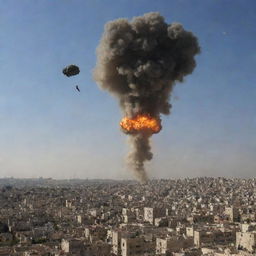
140, 123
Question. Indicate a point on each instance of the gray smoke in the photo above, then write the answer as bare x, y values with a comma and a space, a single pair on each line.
139, 62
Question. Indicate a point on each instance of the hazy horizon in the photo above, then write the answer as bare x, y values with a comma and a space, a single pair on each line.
48, 129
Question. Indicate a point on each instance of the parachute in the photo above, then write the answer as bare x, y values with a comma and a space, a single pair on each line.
71, 70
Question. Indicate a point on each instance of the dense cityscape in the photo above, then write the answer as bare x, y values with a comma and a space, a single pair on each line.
199, 216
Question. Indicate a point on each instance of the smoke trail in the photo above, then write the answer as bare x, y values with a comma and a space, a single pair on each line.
139, 154
139, 62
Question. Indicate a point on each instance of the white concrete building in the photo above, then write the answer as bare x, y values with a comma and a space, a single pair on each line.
246, 240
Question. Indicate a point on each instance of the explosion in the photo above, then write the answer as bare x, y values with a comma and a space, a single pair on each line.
140, 123
139, 62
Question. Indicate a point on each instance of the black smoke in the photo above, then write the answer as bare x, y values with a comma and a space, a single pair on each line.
139, 61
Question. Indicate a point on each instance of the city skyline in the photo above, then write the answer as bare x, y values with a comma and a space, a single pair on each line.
50, 130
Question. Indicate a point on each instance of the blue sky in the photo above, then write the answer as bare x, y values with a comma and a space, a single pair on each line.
48, 129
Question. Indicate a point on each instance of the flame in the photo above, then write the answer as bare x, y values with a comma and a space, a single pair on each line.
141, 123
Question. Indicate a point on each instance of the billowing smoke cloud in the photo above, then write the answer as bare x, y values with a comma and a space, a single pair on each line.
139, 62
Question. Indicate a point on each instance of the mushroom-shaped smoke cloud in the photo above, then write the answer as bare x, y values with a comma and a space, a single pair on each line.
139, 62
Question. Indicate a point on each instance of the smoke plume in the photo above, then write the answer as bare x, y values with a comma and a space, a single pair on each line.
139, 62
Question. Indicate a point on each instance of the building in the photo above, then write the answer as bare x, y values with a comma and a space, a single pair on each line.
215, 237
172, 244
246, 240
72, 245
133, 246
232, 214
150, 214
116, 242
